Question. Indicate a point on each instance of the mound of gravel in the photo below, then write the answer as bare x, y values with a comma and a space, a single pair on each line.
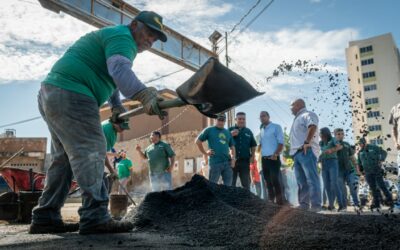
211, 215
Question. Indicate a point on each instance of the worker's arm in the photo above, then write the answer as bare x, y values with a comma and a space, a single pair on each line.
395, 136
201, 147
310, 134
120, 69
253, 154
233, 156
141, 154
171, 164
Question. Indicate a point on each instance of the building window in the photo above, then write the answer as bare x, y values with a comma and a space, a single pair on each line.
366, 49
375, 128
372, 114
370, 101
356, 56
358, 69
369, 74
370, 87
377, 141
367, 61
359, 80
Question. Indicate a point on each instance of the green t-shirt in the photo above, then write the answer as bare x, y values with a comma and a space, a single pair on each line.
244, 141
219, 140
344, 156
158, 156
83, 68
324, 146
109, 133
369, 158
124, 167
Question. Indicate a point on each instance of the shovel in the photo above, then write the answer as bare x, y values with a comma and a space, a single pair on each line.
212, 90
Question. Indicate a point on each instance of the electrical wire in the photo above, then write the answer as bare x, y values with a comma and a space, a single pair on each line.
245, 15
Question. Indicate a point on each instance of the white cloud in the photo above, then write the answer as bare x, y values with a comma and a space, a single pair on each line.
315, 1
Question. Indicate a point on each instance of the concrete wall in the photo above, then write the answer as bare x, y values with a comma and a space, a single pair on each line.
32, 157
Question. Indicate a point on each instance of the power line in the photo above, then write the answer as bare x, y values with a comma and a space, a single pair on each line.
245, 15
247, 25
166, 75
19, 122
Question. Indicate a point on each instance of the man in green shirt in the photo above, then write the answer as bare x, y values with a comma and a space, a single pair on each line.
95, 68
161, 160
245, 146
124, 168
347, 168
370, 158
221, 154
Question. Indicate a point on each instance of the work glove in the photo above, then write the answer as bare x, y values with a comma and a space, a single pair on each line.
149, 98
115, 112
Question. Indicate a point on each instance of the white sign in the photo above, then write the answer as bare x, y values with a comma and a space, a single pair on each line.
188, 169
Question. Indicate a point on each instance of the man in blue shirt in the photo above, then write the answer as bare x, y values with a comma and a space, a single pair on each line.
271, 143
218, 157
245, 146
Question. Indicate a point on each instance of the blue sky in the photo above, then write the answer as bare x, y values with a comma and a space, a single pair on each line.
32, 38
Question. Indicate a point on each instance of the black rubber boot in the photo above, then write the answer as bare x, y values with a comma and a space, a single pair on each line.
53, 228
112, 226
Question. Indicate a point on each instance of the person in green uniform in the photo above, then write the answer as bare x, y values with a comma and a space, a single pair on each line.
347, 168
370, 158
330, 168
94, 69
245, 146
161, 159
110, 130
124, 168
221, 154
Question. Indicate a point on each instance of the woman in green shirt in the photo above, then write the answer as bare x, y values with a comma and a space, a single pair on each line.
330, 168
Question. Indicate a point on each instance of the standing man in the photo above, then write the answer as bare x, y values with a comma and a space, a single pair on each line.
370, 158
245, 146
394, 121
304, 148
347, 169
95, 66
271, 143
221, 154
161, 159
124, 168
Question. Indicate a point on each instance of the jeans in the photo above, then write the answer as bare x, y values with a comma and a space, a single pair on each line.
350, 178
242, 167
398, 178
78, 148
376, 183
264, 194
257, 185
273, 178
223, 169
330, 174
305, 170
160, 181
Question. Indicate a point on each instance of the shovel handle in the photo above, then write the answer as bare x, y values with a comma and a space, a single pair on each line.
174, 103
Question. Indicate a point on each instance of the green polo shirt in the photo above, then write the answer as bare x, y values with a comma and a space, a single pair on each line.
344, 156
244, 141
219, 140
328, 145
369, 158
83, 68
109, 133
124, 167
158, 156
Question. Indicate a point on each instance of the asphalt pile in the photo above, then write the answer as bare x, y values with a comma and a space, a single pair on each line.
210, 215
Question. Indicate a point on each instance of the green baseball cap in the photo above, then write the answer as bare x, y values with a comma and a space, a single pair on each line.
154, 22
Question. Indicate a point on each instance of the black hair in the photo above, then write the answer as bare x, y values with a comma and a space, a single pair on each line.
157, 133
265, 113
326, 133
240, 113
338, 130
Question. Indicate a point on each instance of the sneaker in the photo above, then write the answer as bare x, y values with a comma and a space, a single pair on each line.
112, 226
315, 209
342, 209
53, 228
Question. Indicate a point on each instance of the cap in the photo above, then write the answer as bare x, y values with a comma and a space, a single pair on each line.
221, 117
154, 22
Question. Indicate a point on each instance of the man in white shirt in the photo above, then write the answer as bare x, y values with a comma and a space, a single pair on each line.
394, 121
304, 149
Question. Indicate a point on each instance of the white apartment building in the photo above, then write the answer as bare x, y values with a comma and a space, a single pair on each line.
373, 67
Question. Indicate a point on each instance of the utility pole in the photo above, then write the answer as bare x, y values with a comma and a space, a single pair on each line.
231, 112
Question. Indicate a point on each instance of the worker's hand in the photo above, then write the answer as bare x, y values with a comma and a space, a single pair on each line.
115, 112
113, 176
138, 147
234, 132
169, 169
233, 162
306, 147
210, 152
274, 157
149, 98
